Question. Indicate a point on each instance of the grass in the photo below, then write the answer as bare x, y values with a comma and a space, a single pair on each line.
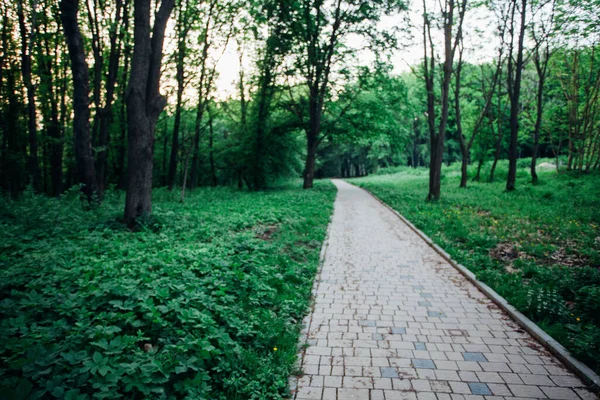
537, 246
203, 302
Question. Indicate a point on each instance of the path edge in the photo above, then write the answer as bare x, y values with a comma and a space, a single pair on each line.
307, 320
576, 366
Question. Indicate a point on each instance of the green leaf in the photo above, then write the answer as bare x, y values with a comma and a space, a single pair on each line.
97, 357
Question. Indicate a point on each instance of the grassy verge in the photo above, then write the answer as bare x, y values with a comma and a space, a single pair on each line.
204, 302
539, 246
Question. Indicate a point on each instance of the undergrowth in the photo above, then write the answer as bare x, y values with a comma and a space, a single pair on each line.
539, 246
204, 301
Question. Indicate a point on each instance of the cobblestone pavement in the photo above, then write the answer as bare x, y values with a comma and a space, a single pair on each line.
393, 320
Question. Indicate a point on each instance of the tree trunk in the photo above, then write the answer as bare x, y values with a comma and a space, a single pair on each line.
536, 131
50, 106
312, 136
478, 175
213, 172
81, 102
33, 166
144, 105
181, 50
120, 169
105, 115
515, 95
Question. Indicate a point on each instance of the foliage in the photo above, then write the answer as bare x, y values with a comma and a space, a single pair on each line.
538, 247
194, 304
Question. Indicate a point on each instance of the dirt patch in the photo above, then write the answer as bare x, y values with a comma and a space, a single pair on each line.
561, 257
508, 252
266, 232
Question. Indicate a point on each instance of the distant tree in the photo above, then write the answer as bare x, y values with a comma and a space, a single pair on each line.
319, 33
33, 166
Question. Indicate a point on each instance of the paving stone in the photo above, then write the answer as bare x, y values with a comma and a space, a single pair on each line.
388, 372
436, 314
479, 357
423, 363
393, 320
527, 391
478, 388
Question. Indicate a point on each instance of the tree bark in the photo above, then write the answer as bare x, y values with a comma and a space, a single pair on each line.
144, 105
81, 102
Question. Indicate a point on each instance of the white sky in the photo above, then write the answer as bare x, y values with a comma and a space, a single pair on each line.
480, 46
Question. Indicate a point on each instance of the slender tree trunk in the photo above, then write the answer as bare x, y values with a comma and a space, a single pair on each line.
81, 102
211, 154
105, 115
537, 128
33, 165
515, 96
185, 174
181, 53
479, 165
144, 105
50, 108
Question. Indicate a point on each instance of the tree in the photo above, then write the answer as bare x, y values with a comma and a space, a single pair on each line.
26, 66
488, 94
540, 33
514, 75
81, 102
144, 105
452, 39
182, 28
319, 32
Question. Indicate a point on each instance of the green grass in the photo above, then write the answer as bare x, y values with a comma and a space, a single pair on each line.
537, 246
193, 305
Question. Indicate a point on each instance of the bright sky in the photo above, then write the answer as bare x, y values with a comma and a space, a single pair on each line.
480, 46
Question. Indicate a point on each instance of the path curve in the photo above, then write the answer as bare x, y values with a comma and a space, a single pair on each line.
393, 320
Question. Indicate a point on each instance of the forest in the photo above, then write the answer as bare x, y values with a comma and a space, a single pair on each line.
163, 170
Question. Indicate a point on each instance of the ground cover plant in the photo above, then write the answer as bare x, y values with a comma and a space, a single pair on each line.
203, 301
539, 246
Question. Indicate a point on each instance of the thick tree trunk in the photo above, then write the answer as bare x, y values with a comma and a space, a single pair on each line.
144, 105
311, 156
312, 136
81, 102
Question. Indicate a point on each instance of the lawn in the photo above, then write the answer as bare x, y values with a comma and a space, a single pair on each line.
538, 246
204, 301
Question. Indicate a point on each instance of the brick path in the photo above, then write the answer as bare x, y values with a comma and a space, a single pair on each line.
393, 320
